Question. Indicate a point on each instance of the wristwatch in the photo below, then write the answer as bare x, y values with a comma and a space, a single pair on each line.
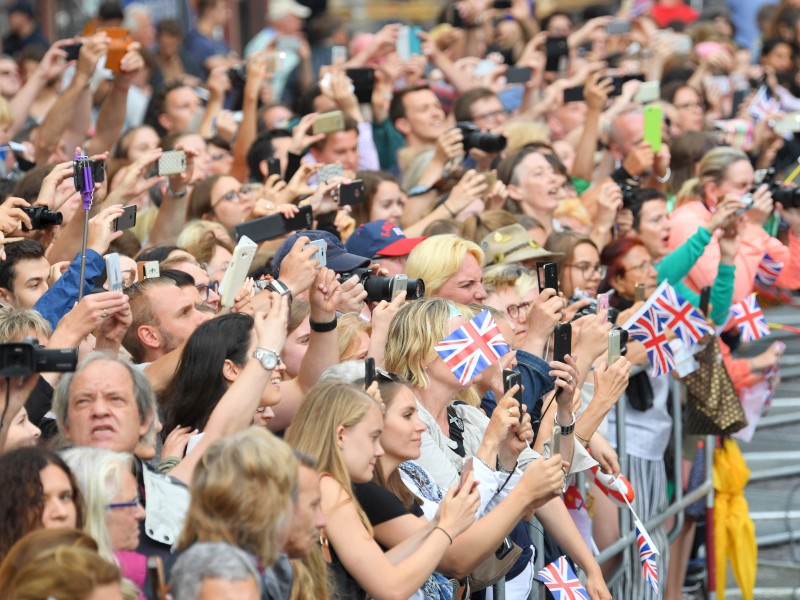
277, 286
269, 358
565, 429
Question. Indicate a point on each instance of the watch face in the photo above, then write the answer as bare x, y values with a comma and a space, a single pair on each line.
269, 360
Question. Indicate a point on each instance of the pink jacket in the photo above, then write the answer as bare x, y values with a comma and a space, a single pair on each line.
756, 242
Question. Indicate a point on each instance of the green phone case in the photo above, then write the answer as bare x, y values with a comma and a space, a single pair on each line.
652, 126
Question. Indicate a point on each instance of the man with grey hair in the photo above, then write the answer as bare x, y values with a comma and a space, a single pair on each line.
209, 571
139, 22
634, 157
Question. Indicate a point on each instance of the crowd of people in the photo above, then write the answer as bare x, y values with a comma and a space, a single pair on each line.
303, 436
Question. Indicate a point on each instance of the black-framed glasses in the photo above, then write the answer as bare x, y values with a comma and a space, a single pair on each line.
515, 309
641, 268
233, 195
588, 271
205, 290
132, 504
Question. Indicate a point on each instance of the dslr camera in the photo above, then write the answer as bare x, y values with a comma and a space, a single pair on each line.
41, 217
482, 140
29, 357
379, 287
788, 196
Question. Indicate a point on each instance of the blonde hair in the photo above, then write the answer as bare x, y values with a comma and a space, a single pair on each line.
328, 406
242, 493
16, 324
713, 168
199, 239
477, 227
438, 258
498, 277
522, 133
573, 208
348, 327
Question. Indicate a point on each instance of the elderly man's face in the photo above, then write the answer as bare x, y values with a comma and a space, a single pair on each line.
102, 410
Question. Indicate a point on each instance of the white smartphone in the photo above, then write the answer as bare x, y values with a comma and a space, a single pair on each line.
113, 272
649, 91
237, 271
614, 351
322, 252
339, 54
399, 284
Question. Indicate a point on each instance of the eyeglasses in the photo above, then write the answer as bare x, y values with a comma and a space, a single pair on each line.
217, 156
691, 105
494, 115
233, 196
132, 504
205, 290
588, 271
644, 266
514, 310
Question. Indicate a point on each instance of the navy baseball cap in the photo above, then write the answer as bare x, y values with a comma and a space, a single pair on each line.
381, 238
339, 259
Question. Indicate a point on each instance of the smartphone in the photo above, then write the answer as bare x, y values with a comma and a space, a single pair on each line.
518, 74
338, 54
237, 271
652, 126
557, 51
351, 193
602, 304
274, 226
619, 80
618, 27
466, 468
639, 292
172, 162
369, 372
113, 272
329, 122
789, 123
614, 346
705, 298
155, 574
273, 167
127, 219
649, 91
408, 44
363, 79
562, 344
490, 177
573, 94
501, 4
510, 379
72, 51
327, 172
322, 252
120, 39
147, 270
548, 276
399, 284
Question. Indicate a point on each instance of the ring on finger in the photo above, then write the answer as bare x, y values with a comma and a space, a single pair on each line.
104, 314
570, 379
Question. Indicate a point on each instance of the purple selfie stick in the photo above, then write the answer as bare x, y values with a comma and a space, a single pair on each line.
84, 185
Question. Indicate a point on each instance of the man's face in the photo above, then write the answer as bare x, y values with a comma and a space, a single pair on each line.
144, 33
10, 81
168, 44
559, 26
488, 113
102, 410
307, 517
208, 296
341, 147
631, 132
571, 115
176, 315
425, 118
30, 282
180, 108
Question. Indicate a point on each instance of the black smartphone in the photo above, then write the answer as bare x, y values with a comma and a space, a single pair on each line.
562, 344
273, 167
127, 220
369, 372
351, 193
556, 49
548, 276
573, 94
518, 74
501, 4
73, 51
510, 379
274, 226
363, 83
705, 297
619, 80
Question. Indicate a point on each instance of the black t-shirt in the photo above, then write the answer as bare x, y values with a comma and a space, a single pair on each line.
381, 505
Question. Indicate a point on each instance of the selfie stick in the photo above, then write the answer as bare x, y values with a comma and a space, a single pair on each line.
84, 183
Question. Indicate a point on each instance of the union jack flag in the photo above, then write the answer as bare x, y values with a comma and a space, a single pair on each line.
768, 271
763, 104
473, 347
646, 328
749, 318
562, 582
647, 554
679, 315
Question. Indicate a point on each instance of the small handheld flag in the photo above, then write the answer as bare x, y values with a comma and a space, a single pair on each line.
562, 582
749, 318
473, 347
647, 554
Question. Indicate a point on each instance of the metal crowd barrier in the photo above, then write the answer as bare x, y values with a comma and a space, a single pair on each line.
627, 541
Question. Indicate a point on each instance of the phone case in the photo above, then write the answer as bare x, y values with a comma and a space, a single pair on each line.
548, 276
237, 271
322, 252
273, 167
327, 172
120, 38
402, 45
518, 74
414, 43
649, 91
274, 226
562, 344
329, 122
574, 94
113, 272
399, 284
613, 346
369, 371
127, 220
351, 193
172, 162
652, 126
147, 270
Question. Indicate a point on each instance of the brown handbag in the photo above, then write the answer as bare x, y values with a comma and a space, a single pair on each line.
494, 568
712, 404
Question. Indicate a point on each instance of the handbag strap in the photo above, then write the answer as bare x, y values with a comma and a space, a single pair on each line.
456, 430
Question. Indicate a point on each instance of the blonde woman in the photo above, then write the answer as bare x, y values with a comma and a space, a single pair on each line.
340, 426
450, 266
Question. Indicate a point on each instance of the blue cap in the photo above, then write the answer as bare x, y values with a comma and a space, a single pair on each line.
338, 258
381, 238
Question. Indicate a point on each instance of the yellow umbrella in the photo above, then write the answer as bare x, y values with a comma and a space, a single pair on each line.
734, 532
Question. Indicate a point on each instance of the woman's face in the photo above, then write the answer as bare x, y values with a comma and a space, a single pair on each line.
142, 141
654, 228
402, 428
358, 349
738, 179
361, 445
465, 286
231, 203
438, 372
21, 433
58, 499
584, 271
295, 348
691, 112
508, 301
639, 268
538, 186
123, 521
219, 263
389, 202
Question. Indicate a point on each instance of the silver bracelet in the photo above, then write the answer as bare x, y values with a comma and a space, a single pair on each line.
665, 178
565, 429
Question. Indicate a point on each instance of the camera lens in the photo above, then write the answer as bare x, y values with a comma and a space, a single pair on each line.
378, 288
415, 289
482, 140
41, 217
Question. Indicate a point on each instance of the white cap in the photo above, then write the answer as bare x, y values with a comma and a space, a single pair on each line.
280, 8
